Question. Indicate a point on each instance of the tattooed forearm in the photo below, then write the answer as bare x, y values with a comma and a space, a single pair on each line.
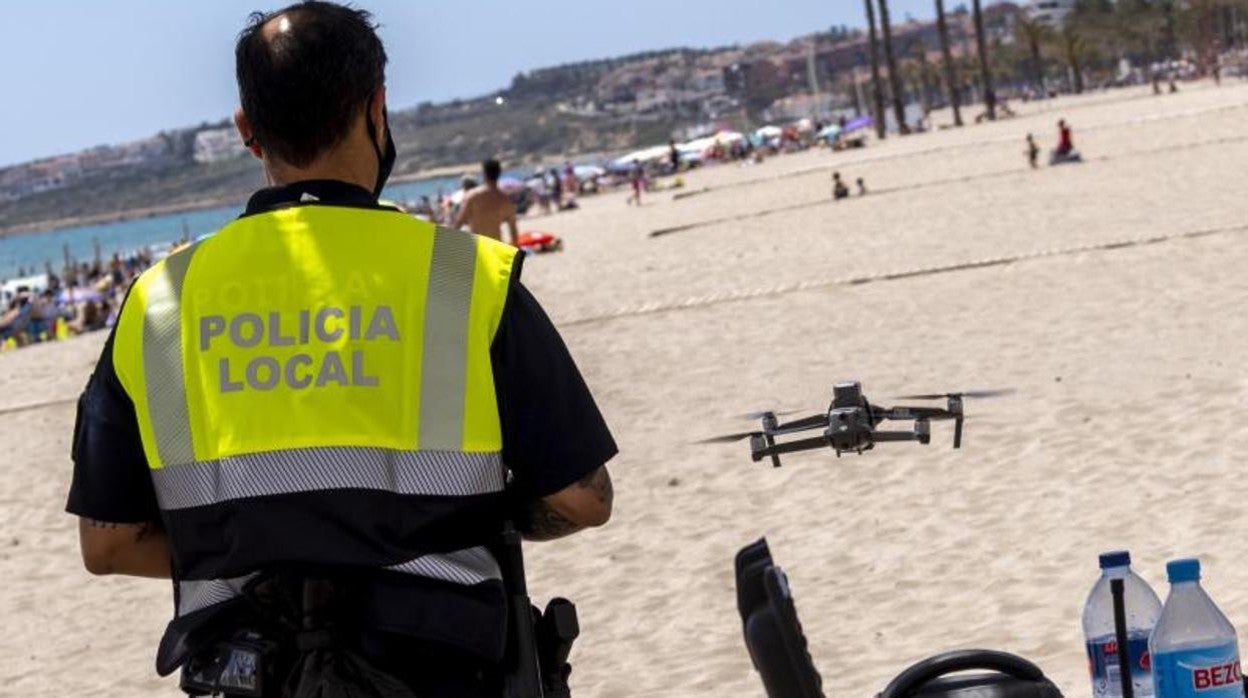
542, 522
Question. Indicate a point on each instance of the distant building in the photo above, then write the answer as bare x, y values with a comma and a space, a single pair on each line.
215, 145
1051, 12
38, 176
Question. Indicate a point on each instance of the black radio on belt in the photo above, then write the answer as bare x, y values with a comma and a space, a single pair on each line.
241, 666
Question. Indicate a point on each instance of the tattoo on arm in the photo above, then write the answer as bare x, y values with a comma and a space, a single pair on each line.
542, 522
141, 530
599, 482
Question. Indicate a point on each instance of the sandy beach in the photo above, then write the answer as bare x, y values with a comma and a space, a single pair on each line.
1110, 294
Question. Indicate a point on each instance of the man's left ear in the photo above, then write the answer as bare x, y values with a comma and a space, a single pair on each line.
244, 131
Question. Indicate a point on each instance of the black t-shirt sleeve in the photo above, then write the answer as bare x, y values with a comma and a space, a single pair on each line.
553, 432
111, 480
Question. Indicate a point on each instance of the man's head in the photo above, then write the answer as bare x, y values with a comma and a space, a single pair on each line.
311, 80
492, 170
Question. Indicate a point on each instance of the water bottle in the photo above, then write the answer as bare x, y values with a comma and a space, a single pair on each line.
1194, 649
1142, 609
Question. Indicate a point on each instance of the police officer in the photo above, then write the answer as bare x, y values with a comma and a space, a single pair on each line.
330, 388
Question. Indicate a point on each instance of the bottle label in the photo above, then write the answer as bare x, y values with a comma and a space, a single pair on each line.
1208, 672
1103, 665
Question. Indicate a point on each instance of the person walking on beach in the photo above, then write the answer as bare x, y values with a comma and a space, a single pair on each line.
325, 457
673, 155
1033, 152
556, 190
636, 178
487, 208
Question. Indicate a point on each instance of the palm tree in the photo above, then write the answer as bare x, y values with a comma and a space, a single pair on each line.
1073, 48
894, 76
1033, 35
951, 78
924, 74
877, 94
985, 74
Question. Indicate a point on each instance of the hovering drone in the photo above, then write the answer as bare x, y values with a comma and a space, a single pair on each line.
850, 424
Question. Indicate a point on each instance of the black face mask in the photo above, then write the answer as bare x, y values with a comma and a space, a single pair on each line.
385, 160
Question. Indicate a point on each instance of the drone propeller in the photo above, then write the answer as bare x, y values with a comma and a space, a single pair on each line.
728, 438
755, 416
978, 394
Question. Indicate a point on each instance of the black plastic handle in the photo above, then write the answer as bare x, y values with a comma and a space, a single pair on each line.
918, 675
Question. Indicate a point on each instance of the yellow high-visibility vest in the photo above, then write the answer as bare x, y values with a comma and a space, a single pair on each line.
318, 348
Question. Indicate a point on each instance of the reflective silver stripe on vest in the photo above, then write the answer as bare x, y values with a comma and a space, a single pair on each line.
467, 567
197, 595
434, 473
162, 361
444, 366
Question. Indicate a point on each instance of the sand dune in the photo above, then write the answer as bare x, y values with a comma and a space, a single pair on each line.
1127, 430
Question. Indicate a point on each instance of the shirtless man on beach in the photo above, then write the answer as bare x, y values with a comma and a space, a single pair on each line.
486, 208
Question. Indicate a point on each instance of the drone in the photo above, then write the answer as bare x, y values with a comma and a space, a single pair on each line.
850, 424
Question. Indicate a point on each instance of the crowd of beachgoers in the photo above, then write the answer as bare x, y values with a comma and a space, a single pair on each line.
86, 296
83, 297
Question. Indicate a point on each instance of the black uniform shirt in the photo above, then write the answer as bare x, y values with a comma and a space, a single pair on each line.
553, 433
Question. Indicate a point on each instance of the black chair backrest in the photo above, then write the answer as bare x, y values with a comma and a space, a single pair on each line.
772, 631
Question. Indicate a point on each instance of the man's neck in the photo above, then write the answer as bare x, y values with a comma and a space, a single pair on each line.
344, 165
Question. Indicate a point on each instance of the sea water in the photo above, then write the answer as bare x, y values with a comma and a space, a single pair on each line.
32, 250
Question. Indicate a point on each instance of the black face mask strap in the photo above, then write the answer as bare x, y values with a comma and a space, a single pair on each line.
385, 160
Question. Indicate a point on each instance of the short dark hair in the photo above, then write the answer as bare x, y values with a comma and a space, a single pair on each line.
492, 170
303, 88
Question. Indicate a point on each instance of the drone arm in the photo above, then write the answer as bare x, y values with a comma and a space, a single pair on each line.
882, 436
791, 447
911, 413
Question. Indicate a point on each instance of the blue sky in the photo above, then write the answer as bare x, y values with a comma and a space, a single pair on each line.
79, 73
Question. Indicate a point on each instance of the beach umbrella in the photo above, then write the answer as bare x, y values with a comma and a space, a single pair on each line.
588, 171
858, 123
830, 132
510, 185
768, 132
657, 152
79, 295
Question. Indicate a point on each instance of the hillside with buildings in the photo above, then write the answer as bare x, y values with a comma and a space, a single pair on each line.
555, 113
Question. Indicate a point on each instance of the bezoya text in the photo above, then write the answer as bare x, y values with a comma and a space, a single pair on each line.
320, 329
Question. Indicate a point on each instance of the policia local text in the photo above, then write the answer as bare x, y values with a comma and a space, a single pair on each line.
302, 370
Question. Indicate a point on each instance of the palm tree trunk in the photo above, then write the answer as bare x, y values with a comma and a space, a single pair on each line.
985, 74
951, 79
877, 93
894, 77
1038, 64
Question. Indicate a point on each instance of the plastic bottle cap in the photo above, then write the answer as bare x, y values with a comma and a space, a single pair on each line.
1183, 570
1115, 558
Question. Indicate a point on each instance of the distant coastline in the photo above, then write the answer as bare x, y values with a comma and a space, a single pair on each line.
54, 224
